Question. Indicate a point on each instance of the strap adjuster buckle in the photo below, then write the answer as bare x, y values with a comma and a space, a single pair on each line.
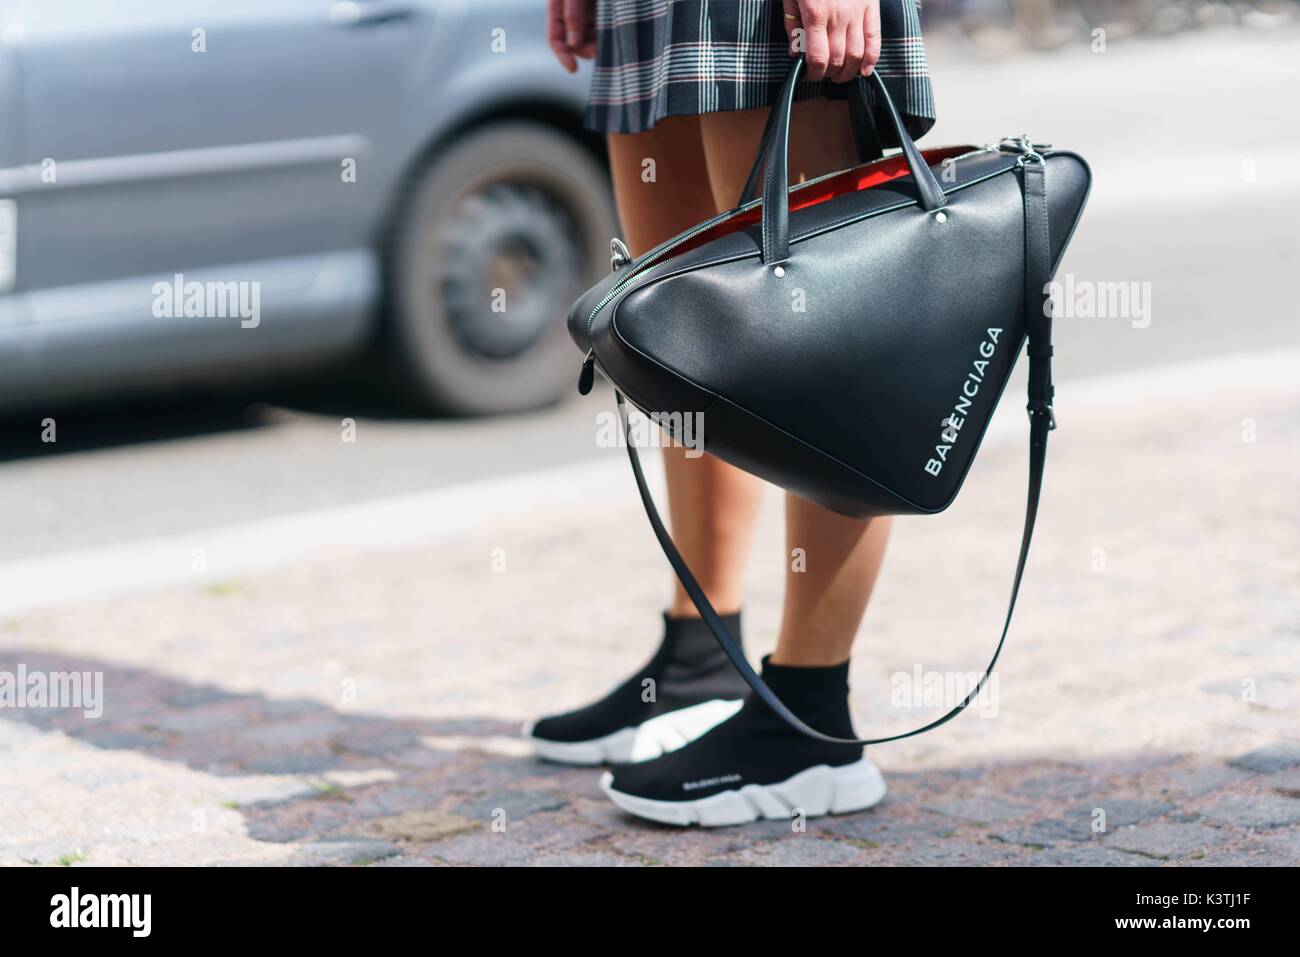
1043, 407
1030, 152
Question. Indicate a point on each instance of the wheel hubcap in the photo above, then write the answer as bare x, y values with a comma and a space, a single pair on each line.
507, 262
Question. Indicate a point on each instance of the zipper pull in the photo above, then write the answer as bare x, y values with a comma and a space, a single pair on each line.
587, 377
618, 254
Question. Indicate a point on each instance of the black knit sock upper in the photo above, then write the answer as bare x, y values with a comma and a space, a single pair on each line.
819, 696
755, 746
688, 668
691, 665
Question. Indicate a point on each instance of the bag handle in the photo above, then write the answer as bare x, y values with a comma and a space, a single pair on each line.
776, 149
1037, 305
865, 138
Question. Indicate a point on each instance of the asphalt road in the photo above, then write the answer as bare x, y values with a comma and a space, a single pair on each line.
1195, 148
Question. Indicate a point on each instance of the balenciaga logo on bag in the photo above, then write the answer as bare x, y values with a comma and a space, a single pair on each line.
970, 388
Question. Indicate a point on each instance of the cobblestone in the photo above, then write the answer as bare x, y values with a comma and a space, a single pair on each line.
1167, 840
982, 810
801, 851
1121, 812
1275, 757
334, 713
1255, 810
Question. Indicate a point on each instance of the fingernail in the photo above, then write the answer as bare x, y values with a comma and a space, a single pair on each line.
573, 38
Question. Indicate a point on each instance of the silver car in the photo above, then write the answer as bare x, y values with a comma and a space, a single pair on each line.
194, 190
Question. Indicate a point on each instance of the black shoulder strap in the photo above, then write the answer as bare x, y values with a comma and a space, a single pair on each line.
1041, 421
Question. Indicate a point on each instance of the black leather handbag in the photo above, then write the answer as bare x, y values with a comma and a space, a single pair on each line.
919, 275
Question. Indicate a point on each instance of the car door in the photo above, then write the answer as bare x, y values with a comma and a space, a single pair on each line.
226, 141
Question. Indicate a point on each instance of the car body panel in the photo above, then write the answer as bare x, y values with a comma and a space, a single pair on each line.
149, 145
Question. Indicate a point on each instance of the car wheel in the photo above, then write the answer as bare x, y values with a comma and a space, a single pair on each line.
501, 232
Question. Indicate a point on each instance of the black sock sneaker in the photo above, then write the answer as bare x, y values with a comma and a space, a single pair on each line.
754, 765
694, 687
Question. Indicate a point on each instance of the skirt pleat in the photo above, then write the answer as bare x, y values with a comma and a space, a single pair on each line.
657, 58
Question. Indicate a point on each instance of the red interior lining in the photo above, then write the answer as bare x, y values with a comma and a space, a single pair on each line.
852, 180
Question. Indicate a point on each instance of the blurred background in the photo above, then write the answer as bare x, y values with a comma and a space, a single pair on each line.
284, 282
409, 214
385, 221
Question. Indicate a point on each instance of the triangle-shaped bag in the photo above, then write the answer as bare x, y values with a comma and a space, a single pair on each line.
916, 300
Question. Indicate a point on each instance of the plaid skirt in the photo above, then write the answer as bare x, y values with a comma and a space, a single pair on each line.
657, 58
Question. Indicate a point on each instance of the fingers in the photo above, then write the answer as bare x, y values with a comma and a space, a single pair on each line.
815, 15
555, 36
571, 31
790, 17
839, 38
854, 47
871, 37
576, 22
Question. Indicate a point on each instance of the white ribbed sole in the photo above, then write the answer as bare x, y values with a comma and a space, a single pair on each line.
817, 791
658, 736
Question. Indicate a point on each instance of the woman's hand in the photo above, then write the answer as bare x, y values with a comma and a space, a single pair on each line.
840, 39
571, 29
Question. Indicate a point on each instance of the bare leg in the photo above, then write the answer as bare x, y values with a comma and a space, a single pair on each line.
829, 581
712, 505
826, 595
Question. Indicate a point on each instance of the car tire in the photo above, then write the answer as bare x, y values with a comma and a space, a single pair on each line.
500, 232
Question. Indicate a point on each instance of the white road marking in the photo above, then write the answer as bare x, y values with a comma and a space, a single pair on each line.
224, 552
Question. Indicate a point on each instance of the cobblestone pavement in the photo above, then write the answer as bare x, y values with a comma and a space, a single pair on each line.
362, 708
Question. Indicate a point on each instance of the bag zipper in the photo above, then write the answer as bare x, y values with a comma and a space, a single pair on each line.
637, 267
